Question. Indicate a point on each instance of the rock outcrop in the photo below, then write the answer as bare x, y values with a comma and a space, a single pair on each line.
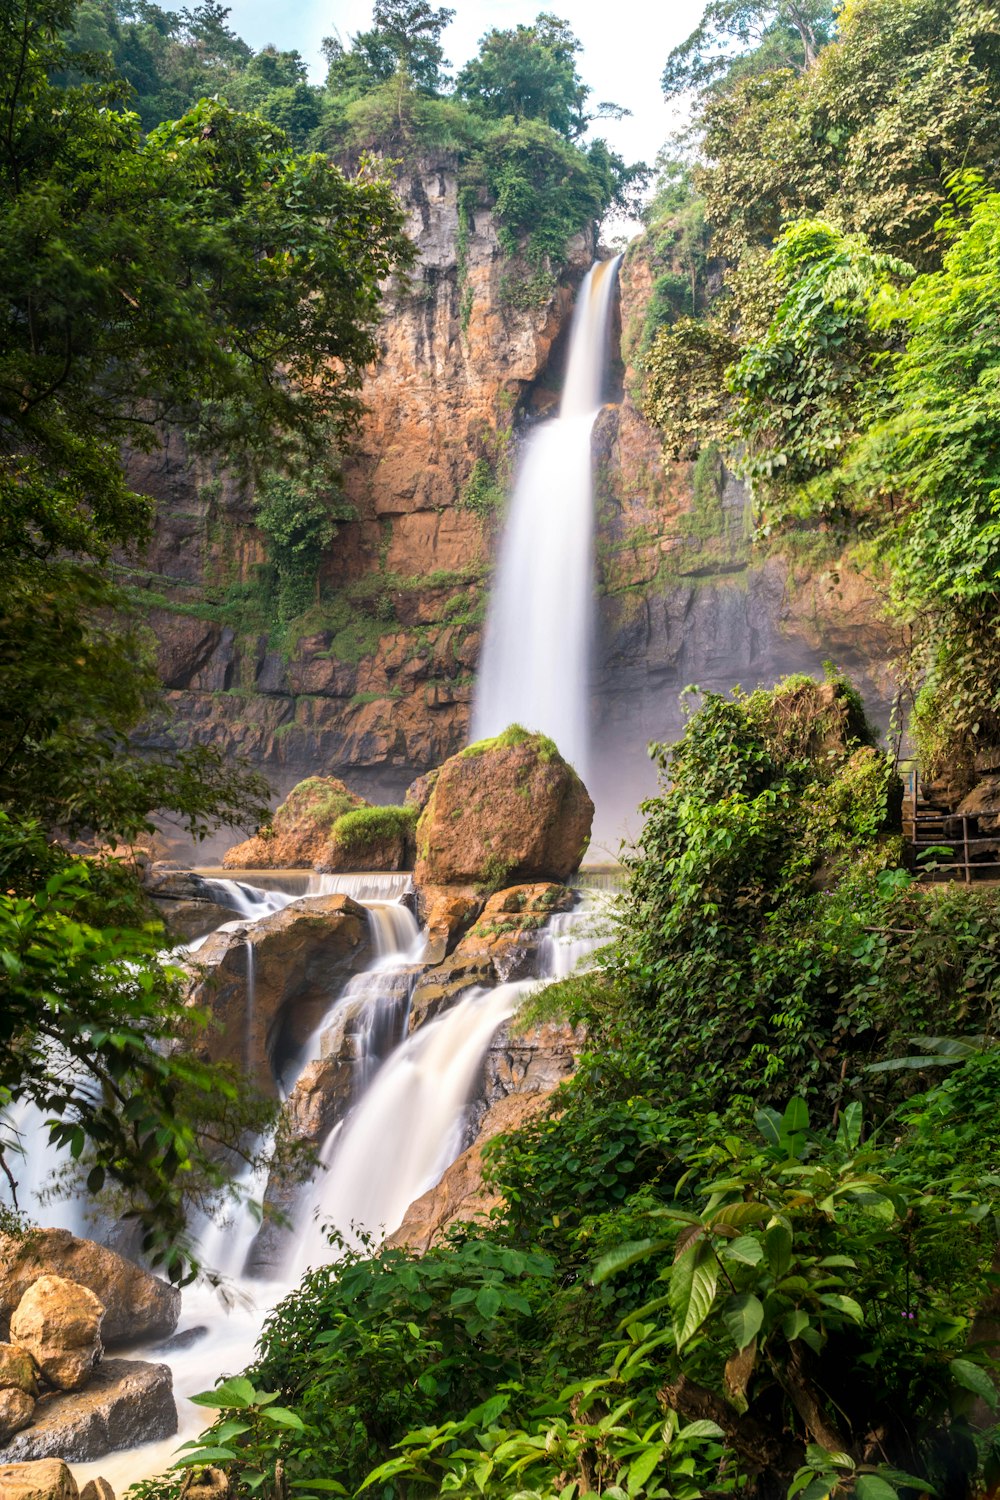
296, 961
18, 1389
125, 1402
461, 1193
504, 810
299, 833
47, 1479
185, 903
137, 1305
59, 1324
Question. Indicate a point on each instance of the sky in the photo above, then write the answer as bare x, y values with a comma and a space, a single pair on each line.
625, 45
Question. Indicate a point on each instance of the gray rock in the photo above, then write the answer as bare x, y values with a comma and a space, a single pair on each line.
126, 1402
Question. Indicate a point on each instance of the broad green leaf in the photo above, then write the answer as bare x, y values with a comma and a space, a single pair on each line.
743, 1316
642, 1467
488, 1302
838, 1302
871, 1487
627, 1255
974, 1378
778, 1244
793, 1323
702, 1429
206, 1456
746, 1250
693, 1280
284, 1418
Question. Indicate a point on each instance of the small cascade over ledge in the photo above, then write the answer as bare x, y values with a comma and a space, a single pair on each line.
535, 667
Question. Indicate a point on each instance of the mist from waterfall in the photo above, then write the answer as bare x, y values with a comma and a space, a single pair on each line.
535, 666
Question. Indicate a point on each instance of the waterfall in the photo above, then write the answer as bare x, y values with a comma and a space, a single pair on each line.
407, 1127
535, 667
248, 901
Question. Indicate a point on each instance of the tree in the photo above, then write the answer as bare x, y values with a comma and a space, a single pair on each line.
735, 37
204, 276
405, 39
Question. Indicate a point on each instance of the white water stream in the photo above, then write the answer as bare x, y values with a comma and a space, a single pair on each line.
535, 667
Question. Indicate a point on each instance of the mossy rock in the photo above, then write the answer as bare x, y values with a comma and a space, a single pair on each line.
503, 811
372, 838
301, 829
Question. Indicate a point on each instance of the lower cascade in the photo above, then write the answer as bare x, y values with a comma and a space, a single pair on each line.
409, 1120
535, 667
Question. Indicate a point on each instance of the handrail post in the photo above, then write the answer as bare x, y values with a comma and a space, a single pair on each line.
965, 848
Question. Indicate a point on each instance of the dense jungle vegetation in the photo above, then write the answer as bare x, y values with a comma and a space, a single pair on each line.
751, 1248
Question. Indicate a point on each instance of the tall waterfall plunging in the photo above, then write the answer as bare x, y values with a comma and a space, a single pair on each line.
535, 667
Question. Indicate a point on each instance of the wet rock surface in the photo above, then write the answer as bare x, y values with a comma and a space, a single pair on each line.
510, 927
461, 1193
137, 1305
300, 959
126, 1402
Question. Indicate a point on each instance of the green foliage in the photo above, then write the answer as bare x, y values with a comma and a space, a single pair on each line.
482, 494
515, 734
529, 73
736, 37
374, 1346
87, 1010
298, 516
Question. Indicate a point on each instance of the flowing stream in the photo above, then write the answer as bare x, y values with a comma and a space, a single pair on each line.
535, 667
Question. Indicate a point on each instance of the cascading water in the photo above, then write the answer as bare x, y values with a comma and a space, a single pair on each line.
535, 667
407, 1128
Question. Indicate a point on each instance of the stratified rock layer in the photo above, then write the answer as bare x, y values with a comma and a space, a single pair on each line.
504, 811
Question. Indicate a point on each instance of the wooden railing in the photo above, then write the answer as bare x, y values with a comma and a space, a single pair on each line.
926, 828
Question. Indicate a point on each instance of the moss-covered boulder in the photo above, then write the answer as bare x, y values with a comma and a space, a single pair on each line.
372, 838
504, 811
299, 833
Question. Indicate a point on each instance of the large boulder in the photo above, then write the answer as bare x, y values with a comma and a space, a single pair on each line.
299, 832
298, 959
126, 1402
503, 811
59, 1323
983, 803
48, 1479
137, 1305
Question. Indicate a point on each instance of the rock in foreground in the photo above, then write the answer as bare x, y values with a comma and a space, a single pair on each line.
49, 1479
504, 811
137, 1305
300, 959
58, 1322
126, 1402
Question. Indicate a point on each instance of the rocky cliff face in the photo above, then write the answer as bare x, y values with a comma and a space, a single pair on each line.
376, 685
